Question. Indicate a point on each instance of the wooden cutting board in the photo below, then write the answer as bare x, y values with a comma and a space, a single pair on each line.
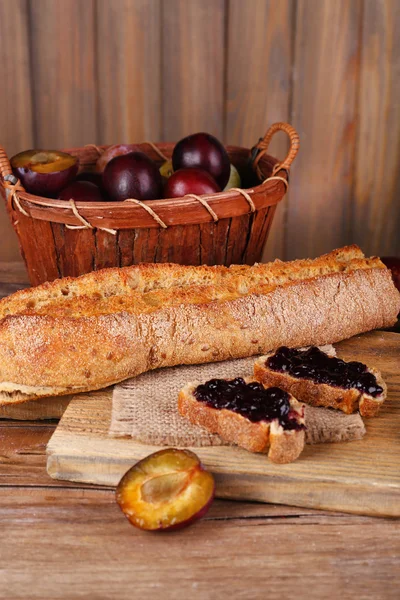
360, 477
47, 408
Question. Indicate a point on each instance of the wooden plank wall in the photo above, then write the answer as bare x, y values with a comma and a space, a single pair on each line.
105, 71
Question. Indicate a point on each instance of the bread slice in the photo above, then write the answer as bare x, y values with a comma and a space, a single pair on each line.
281, 445
76, 335
348, 400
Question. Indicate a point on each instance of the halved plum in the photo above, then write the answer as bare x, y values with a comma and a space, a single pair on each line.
84, 191
167, 490
44, 172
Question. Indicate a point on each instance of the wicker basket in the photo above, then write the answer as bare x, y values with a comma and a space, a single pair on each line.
60, 238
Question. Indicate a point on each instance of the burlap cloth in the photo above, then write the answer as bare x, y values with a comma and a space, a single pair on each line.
145, 408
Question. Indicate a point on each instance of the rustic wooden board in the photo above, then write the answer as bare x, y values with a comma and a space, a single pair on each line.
48, 408
357, 477
85, 547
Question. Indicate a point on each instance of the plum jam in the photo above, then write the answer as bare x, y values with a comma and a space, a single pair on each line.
251, 400
320, 368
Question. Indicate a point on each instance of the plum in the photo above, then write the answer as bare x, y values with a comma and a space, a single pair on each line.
90, 176
167, 490
44, 172
132, 175
203, 151
112, 152
190, 181
83, 191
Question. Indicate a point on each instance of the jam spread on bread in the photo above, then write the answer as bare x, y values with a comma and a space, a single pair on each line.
251, 400
320, 368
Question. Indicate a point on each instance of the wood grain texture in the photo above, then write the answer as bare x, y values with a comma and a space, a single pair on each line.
38, 241
106, 249
213, 238
376, 207
84, 548
179, 244
259, 228
76, 536
23, 460
16, 126
192, 67
64, 77
75, 250
77, 531
128, 56
325, 67
258, 85
15, 105
48, 408
22, 453
329, 476
101, 71
52, 516
12, 273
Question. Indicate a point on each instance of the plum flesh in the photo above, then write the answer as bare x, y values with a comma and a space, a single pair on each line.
44, 172
167, 490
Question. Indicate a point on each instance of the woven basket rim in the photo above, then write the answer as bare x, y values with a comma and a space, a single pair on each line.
171, 211
266, 161
164, 212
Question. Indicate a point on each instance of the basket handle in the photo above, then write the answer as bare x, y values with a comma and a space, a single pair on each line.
261, 147
5, 167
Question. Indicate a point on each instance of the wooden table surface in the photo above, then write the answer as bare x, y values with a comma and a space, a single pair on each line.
61, 540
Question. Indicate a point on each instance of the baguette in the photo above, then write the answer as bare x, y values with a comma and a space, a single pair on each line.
76, 335
107, 285
322, 394
282, 445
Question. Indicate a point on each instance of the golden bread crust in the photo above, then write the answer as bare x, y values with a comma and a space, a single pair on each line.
93, 341
112, 290
267, 437
321, 394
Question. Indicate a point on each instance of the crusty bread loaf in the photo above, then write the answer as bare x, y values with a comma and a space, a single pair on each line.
282, 445
322, 394
84, 334
107, 288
